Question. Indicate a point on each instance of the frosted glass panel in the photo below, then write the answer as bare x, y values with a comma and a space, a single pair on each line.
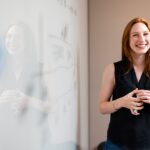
38, 74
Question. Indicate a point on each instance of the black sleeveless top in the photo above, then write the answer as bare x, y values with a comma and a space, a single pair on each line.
126, 129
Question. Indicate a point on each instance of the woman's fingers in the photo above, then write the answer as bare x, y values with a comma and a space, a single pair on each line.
144, 96
143, 93
147, 101
136, 105
134, 112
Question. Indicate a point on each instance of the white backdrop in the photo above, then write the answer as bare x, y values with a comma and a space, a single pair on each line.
38, 76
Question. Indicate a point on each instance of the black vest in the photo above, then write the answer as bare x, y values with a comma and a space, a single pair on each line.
126, 129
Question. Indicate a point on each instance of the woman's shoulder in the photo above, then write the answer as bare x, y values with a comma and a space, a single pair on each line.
120, 66
112, 66
108, 74
109, 69
120, 62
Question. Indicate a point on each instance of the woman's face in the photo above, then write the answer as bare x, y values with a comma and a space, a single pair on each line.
14, 40
139, 39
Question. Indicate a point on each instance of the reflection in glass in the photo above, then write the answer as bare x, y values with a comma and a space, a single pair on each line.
21, 108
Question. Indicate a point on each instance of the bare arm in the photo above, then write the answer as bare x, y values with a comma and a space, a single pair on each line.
107, 106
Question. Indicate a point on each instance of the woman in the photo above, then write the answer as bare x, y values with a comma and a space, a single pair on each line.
17, 76
22, 111
128, 83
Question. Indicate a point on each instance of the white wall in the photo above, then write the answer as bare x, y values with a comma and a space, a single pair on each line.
107, 20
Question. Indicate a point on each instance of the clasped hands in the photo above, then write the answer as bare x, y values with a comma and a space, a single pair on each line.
135, 100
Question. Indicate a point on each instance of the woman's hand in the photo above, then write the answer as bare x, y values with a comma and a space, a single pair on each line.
133, 102
144, 96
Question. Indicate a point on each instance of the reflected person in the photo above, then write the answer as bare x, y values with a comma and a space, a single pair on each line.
18, 70
21, 68
19, 91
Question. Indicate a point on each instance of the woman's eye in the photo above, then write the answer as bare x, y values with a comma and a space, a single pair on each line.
147, 33
134, 35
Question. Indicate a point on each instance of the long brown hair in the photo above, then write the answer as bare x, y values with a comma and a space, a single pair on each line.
126, 49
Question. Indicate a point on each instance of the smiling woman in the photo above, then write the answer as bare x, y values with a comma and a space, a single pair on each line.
139, 39
128, 83
20, 54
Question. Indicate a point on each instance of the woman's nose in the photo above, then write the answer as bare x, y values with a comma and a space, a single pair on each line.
141, 38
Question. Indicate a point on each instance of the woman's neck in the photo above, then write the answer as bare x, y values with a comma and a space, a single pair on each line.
139, 60
17, 66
